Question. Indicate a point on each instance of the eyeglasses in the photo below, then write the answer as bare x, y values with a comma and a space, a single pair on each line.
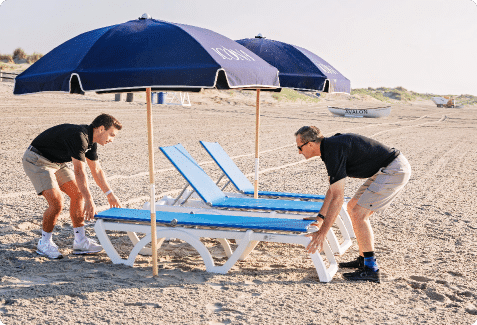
300, 147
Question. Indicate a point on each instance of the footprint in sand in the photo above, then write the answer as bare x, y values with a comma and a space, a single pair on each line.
214, 308
442, 291
217, 286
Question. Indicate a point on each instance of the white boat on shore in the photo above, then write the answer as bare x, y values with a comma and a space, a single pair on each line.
361, 112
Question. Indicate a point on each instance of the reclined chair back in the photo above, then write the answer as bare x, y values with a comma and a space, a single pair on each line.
193, 173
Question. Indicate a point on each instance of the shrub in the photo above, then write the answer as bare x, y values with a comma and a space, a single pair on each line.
19, 54
6, 57
34, 57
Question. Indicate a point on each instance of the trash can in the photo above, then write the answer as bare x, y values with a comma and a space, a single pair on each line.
153, 97
129, 97
117, 97
160, 98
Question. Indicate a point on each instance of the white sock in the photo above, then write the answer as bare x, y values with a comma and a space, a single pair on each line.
79, 233
46, 236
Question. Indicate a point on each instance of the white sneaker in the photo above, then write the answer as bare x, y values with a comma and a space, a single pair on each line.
49, 249
86, 246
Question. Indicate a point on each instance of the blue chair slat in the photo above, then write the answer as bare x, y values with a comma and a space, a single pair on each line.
288, 195
223, 160
268, 204
193, 173
207, 220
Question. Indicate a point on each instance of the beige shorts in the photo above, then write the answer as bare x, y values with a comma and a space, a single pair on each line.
45, 174
379, 190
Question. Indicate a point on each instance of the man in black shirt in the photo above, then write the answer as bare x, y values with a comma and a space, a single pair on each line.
45, 164
351, 155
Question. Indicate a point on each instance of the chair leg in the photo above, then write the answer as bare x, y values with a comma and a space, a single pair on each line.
347, 242
243, 245
226, 246
108, 247
228, 251
251, 246
325, 274
146, 251
347, 220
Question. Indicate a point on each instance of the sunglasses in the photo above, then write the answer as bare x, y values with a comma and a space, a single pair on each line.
300, 147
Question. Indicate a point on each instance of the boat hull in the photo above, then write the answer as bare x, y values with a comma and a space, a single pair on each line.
360, 112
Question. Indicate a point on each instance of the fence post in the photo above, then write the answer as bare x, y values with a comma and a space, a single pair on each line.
117, 97
129, 97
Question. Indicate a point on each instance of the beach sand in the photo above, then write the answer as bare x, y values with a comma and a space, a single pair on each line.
425, 241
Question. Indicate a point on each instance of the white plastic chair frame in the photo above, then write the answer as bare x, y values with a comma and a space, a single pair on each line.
186, 199
246, 240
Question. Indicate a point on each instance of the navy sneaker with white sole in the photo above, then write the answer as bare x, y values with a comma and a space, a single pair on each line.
364, 274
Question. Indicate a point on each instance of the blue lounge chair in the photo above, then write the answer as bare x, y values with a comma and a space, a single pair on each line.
240, 181
191, 227
213, 197
243, 185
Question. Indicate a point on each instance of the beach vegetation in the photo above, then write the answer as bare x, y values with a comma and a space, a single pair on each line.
19, 60
374, 93
293, 95
387, 95
34, 57
19, 54
6, 58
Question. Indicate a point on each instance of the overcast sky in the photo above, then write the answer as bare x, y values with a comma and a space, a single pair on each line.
421, 45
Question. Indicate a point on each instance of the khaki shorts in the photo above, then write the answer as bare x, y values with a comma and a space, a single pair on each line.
45, 174
380, 189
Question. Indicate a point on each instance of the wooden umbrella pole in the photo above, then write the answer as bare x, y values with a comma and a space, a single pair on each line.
257, 128
151, 182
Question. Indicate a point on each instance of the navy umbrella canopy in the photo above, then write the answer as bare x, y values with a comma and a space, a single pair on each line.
299, 68
147, 53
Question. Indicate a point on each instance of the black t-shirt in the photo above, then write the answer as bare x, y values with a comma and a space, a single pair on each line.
62, 142
354, 155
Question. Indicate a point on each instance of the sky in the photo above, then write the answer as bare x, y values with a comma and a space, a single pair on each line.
427, 46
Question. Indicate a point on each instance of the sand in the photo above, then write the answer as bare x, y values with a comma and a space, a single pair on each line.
425, 241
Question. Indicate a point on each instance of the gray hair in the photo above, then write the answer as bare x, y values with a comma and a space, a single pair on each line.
310, 134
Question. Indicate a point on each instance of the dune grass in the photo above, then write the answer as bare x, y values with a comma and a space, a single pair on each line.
18, 54
399, 93
292, 95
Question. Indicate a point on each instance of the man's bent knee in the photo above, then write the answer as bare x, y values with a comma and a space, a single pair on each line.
72, 190
351, 204
358, 213
54, 199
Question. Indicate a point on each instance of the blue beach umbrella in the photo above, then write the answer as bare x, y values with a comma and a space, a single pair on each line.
146, 55
299, 68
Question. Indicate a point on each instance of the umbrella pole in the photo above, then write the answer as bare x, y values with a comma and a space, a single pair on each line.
257, 127
151, 182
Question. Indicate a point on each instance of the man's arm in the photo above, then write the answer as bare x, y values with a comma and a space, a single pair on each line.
100, 179
331, 208
82, 182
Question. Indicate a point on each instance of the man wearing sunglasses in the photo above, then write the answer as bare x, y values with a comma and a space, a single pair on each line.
351, 155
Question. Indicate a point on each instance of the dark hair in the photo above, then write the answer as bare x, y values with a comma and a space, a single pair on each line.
310, 134
107, 121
